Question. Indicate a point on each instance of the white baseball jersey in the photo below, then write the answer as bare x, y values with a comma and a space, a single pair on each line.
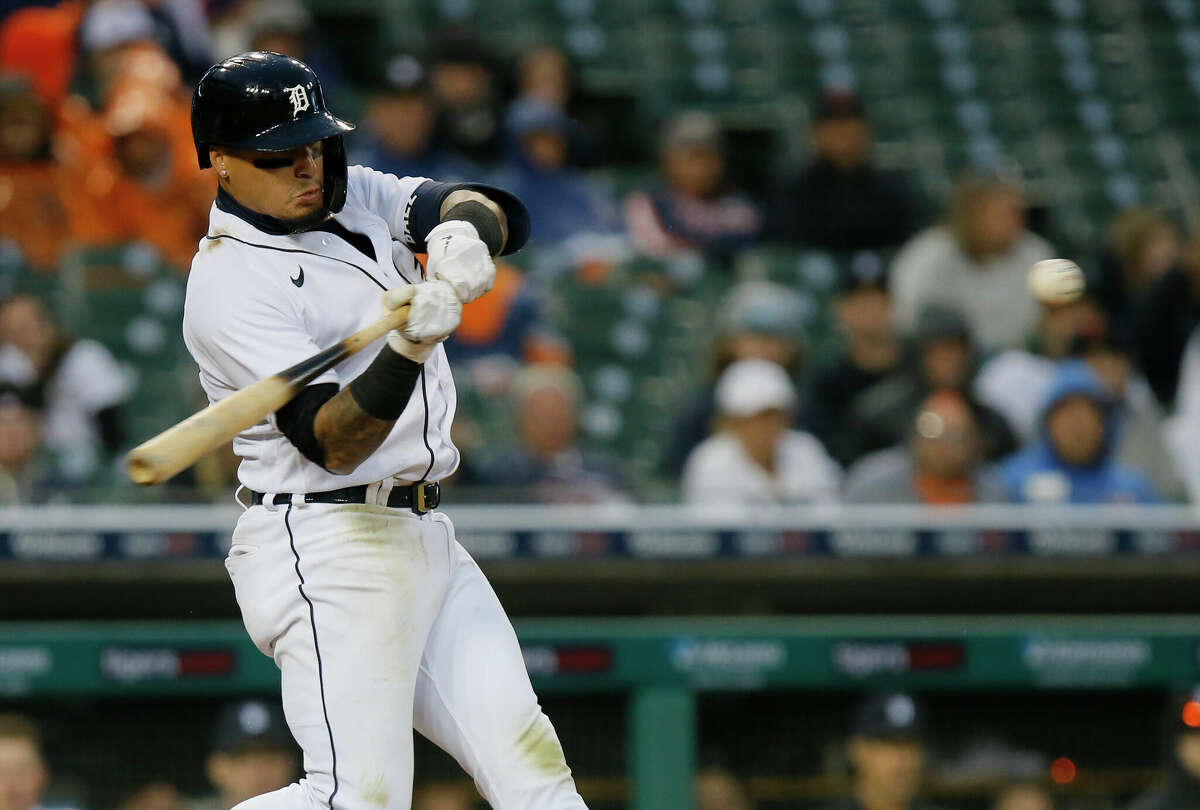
258, 303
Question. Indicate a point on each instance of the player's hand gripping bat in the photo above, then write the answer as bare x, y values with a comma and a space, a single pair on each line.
180, 446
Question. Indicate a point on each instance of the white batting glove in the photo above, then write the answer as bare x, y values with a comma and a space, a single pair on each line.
460, 258
435, 313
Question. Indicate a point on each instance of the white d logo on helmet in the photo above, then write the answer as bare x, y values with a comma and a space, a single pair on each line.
299, 98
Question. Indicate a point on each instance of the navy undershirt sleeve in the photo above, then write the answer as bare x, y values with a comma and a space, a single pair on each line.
426, 212
296, 420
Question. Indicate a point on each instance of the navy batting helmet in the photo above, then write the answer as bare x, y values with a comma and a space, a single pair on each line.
270, 103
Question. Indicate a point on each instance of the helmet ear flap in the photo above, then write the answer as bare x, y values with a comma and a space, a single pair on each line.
335, 173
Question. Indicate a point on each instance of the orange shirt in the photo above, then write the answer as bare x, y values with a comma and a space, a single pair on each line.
35, 211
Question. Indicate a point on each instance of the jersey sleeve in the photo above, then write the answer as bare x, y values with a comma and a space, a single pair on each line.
412, 206
238, 340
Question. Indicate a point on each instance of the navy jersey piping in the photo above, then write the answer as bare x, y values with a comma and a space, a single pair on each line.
378, 284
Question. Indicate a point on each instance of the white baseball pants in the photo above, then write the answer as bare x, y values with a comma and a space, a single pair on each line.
380, 622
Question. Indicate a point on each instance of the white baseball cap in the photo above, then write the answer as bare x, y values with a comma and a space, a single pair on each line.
751, 386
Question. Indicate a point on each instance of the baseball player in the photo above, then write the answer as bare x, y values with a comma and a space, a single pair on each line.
379, 621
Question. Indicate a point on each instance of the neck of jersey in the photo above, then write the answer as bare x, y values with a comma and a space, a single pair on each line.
277, 227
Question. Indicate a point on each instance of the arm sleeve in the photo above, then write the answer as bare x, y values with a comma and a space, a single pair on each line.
412, 205
296, 420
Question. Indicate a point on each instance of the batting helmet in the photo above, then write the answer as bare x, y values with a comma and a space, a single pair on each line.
270, 103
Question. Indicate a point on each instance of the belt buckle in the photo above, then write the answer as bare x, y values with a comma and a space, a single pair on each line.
426, 496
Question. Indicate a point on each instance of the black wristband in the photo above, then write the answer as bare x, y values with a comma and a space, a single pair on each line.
484, 220
383, 389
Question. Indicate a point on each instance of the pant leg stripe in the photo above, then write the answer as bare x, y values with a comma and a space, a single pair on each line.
312, 616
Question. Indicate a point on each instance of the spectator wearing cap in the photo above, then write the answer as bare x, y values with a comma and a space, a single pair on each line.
465, 82
940, 464
78, 385
1015, 383
943, 357
147, 188
112, 28
693, 210
23, 771
252, 753
755, 457
1023, 796
886, 750
842, 201
1180, 788
567, 208
975, 263
869, 351
399, 132
546, 464
760, 319
1072, 461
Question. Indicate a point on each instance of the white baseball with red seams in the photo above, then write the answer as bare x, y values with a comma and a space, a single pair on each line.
379, 621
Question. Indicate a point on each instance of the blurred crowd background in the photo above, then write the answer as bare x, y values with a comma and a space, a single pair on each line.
779, 255
778, 245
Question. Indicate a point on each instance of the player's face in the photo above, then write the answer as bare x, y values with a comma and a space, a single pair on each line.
888, 769
285, 185
22, 774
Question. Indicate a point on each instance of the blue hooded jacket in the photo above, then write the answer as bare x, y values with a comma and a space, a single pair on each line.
1037, 474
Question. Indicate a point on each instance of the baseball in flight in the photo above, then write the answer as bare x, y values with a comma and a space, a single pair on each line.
1056, 281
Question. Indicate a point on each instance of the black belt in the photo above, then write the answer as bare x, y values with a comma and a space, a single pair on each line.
420, 497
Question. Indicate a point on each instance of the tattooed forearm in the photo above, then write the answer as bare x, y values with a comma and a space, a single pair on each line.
347, 434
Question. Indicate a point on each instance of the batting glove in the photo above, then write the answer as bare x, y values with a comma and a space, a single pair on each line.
460, 258
435, 313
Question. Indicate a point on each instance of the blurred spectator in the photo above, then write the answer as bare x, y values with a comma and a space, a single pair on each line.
1180, 790
868, 353
887, 752
1182, 429
1072, 460
941, 463
693, 210
548, 465
24, 472
755, 458
399, 132
841, 201
975, 263
718, 789
252, 753
442, 795
36, 190
1143, 246
151, 178
1015, 383
1164, 320
153, 796
40, 44
23, 773
465, 83
566, 206
1024, 796
544, 74
760, 319
78, 383
507, 321
111, 28
943, 357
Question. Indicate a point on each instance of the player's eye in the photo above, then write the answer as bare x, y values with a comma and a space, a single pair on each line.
272, 162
